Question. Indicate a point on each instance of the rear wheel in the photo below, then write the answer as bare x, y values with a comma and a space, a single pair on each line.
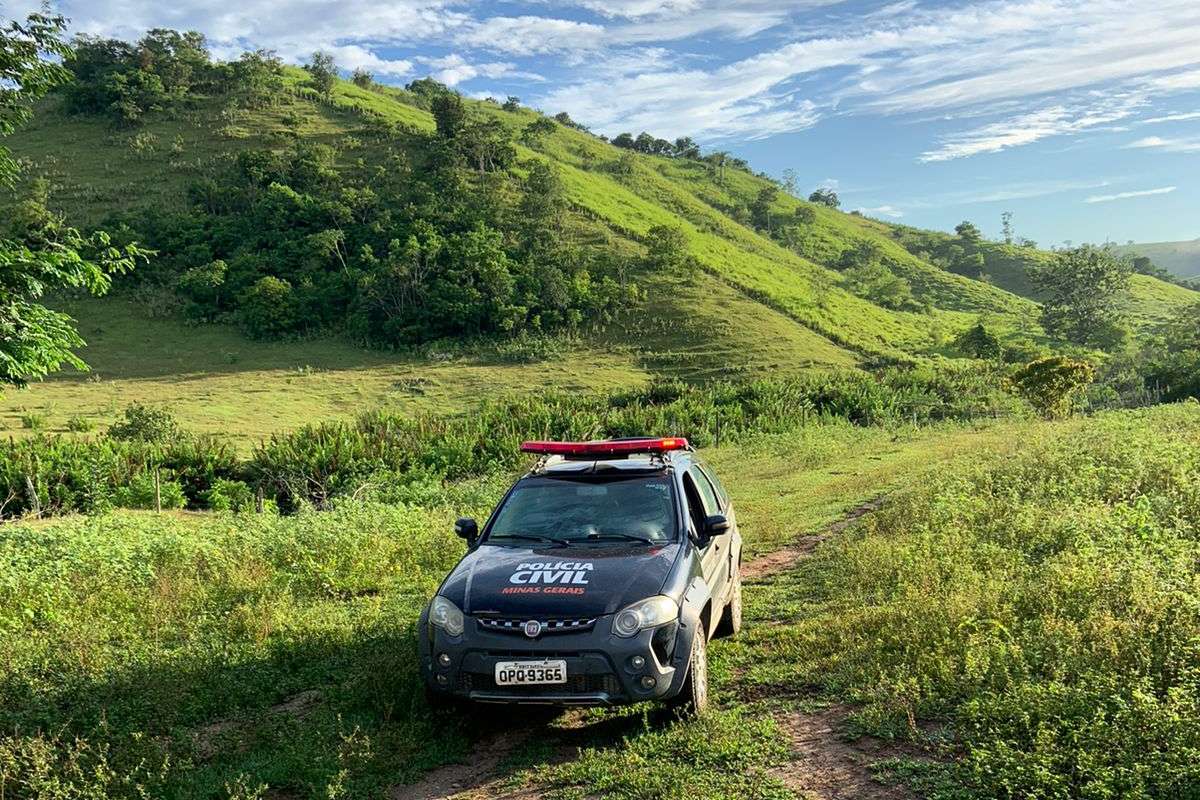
731, 617
692, 700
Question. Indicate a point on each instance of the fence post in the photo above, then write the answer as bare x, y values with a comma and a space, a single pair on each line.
157, 492
31, 492
258, 500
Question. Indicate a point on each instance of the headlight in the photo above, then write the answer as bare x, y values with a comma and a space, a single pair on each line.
645, 614
446, 616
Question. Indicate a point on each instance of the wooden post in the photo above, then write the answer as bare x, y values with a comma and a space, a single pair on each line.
258, 500
157, 491
31, 493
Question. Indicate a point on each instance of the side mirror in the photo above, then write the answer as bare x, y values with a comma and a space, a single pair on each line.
467, 528
716, 524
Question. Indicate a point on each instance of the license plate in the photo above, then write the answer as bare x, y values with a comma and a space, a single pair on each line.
530, 673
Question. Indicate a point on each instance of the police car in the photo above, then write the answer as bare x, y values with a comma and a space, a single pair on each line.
599, 579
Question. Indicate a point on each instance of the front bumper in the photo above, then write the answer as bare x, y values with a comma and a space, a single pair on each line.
600, 669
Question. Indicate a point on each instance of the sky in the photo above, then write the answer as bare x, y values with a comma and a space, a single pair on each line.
1081, 117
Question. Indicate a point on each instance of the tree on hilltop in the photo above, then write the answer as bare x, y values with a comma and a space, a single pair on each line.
323, 71
826, 197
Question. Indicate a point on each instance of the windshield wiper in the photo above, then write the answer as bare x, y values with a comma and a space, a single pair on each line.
629, 537
530, 537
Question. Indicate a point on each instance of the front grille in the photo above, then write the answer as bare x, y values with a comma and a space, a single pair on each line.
549, 626
594, 683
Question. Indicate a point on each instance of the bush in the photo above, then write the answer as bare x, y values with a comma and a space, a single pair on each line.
227, 495
143, 492
268, 308
80, 424
145, 424
1052, 384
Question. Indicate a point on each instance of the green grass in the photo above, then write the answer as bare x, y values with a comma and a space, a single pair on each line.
191, 652
1038, 607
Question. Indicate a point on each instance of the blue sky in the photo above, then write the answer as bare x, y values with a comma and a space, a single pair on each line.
1082, 117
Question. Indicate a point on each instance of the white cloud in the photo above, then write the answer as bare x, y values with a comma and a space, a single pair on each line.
1168, 145
1181, 117
1028, 128
882, 211
528, 35
1108, 198
454, 69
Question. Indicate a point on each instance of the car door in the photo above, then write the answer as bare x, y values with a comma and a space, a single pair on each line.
734, 547
714, 551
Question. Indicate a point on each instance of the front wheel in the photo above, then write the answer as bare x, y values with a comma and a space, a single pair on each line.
692, 700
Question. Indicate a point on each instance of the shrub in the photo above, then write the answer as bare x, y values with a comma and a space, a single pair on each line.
33, 420
268, 308
1052, 384
143, 492
80, 424
227, 495
143, 423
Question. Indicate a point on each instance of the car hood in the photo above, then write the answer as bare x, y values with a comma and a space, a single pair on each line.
557, 582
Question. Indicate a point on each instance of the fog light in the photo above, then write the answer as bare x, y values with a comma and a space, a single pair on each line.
637, 662
648, 682
443, 680
444, 659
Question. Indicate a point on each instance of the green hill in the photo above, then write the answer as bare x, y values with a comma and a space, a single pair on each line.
838, 290
1181, 259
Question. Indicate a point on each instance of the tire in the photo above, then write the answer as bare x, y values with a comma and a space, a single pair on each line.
731, 617
692, 700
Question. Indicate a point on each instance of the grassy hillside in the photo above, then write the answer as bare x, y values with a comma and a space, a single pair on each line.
1152, 301
1179, 258
96, 169
754, 307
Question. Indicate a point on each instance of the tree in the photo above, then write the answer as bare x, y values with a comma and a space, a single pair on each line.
256, 79
968, 232
667, 250
805, 216
323, 71
535, 132
1006, 227
1085, 293
1051, 384
449, 114
623, 140
826, 197
760, 210
512, 103
684, 147
789, 181
35, 340
979, 342
362, 78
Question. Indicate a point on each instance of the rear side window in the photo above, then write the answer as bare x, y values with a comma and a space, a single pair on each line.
722, 495
573, 509
707, 495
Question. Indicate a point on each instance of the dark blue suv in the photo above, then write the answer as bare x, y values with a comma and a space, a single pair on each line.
599, 579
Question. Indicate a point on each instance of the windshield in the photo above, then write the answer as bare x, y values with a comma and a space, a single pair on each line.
625, 509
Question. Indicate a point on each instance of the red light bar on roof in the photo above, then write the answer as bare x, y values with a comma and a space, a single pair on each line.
606, 448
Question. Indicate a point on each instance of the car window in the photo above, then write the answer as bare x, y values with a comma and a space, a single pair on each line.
722, 495
694, 503
707, 495
575, 510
